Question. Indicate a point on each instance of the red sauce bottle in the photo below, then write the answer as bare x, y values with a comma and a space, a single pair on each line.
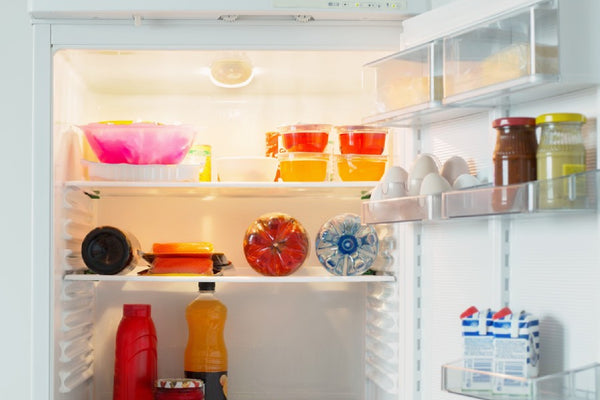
135, 354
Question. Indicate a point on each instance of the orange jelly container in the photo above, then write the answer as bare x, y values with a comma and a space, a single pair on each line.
303, 167
361, 167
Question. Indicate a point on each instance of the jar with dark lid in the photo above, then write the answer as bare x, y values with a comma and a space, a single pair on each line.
179, 389
515, 151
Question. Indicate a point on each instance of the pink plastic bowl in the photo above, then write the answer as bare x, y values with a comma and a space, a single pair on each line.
139, 142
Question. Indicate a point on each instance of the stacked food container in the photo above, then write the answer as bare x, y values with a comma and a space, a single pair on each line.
361, 149
305, 159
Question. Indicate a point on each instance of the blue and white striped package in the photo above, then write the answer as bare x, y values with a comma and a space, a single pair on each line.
478, 348
516, 351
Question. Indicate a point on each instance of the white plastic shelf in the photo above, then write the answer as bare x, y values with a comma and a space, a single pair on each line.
576, 384
210, 190
237, 275
571, 193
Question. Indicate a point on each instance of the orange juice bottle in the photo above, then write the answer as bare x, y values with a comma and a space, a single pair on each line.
205, 354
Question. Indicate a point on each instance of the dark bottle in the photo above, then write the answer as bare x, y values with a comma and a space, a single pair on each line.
107, 250
515, 151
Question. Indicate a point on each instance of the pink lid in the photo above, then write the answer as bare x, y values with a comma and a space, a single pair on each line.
136, 310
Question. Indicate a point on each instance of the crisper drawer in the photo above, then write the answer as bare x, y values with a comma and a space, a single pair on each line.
410, 79
523, 45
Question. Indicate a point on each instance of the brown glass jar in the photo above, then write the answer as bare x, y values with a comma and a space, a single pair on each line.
515, 151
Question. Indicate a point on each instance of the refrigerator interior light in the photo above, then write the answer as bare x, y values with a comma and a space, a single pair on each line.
231, 73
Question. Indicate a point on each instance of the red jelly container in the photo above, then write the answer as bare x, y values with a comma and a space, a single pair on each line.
135, 354
305, 138
179, 389
361, 139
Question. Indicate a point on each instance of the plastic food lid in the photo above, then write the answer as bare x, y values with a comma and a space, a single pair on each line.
360, 129
136, 310
561, 117
513, 121
178, 383
301, 155
304, 128
356, 157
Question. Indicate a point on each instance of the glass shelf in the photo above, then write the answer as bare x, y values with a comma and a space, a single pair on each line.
577, 192
210, 190
576, 384
236, 275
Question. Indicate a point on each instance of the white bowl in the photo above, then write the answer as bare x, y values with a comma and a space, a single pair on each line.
246, 169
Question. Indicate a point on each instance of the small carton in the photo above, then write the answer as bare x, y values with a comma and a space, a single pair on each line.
516, 351
478, 348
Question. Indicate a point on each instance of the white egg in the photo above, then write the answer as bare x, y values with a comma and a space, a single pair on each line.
421, 167
394, 182
465, 181
453, 168
434, 183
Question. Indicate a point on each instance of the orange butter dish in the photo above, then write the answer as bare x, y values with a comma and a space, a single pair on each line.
181, 258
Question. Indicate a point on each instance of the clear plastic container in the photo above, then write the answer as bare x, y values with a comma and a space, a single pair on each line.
303, 167
361, 139
345, 246
361, 167
305, 138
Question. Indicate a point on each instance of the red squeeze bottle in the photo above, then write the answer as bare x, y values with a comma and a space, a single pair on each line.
135, 354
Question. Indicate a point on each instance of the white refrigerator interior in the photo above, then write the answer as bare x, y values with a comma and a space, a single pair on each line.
313, 335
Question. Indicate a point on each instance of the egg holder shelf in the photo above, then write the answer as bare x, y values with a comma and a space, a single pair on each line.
576, 192
575, 384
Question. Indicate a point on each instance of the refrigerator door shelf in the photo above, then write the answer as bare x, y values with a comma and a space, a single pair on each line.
576, 384
571, 193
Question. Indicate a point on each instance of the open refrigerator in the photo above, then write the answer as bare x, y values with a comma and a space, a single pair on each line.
394, 334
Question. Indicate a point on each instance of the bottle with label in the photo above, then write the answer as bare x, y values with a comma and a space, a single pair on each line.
205, 355
135, 354
561, 152
107, 250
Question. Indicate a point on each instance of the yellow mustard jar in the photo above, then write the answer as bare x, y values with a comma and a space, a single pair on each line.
561, 152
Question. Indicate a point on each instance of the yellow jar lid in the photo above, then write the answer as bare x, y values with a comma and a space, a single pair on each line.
560, 117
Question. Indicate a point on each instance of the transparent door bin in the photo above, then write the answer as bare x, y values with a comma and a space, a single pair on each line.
566, 193
576, 384
571, 192
410, 80
402, 209
508, 53
489, 200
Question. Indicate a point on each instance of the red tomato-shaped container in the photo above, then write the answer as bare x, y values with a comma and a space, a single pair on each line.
276, 244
